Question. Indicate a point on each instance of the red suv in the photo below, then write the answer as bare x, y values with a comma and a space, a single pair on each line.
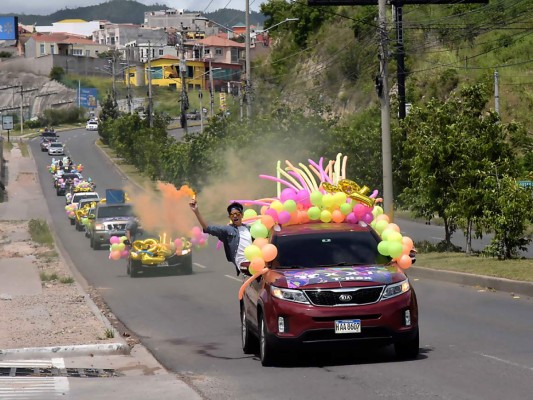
329, 285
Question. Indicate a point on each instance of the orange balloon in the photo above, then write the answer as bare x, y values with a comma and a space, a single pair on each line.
407, 242
294, 218
263, 210
404, 261
267, 221
393, 226
256, 265
303, 218
269, 252
260, 242
382, 217
337, 216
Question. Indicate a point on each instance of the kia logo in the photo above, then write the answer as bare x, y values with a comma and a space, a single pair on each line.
345, 297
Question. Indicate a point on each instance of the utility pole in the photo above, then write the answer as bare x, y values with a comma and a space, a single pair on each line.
200, 96
496, 92
388, 202
129, 80
150, 105
21, 110
248, 86
184, 97
113, 62
400, 57
211, 89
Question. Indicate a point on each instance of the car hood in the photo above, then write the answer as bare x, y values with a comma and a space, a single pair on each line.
336, 276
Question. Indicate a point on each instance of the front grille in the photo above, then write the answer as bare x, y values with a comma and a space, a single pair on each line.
115, 227
324, 335
333, 297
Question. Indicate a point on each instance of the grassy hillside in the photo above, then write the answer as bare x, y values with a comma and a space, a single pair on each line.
124, 11
446, 46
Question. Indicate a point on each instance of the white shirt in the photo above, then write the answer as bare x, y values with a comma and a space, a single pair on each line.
245, 240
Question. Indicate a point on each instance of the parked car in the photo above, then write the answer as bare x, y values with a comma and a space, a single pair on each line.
329, 285
92, 125
193, 115
56, 149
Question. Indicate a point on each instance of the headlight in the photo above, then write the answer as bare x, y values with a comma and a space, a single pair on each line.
185, 251
396, 289
296, 296
99, 227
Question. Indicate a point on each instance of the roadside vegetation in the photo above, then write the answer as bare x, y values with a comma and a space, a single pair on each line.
40, 232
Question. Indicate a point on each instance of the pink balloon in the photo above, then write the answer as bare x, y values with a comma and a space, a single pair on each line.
125, 253
273, 213
367, 218
114, 240
302, 198
288, 194
351, 218
284, 217
359, 210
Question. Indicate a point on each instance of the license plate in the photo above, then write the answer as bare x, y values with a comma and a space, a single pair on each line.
163, 264
348, 326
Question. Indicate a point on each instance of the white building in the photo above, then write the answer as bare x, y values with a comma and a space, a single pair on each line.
72, 26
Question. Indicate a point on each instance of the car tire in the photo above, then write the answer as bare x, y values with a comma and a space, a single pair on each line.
408, 349
133, 268
94, 245
267, 351
79, 227
72, 221
248, 340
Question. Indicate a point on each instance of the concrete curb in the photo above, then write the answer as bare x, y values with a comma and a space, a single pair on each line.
84, 349
499, 284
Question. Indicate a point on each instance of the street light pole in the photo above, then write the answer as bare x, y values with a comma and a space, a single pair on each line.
248, 84
211, 89
383, 91
150, 117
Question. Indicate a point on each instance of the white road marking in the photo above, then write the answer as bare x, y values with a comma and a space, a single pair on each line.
234, 278
507, 362
200, 265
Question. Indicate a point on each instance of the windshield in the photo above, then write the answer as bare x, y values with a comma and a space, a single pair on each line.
78, 197
56, 144
124, 210
328, 249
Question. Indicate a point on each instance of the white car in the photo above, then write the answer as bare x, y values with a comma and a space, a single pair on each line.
56, 149
92, 126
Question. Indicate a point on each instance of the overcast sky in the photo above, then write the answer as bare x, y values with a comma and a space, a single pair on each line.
45, 7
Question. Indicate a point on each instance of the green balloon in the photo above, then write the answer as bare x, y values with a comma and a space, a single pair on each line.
345, 208
316, 198
313, 213
289, 205
395, 249
381, 225
258, 230
251, 252
383, 248
249, 213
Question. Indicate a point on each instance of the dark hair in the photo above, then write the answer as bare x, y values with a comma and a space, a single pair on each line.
237, 206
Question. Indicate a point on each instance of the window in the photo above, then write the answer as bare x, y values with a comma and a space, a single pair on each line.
77, 52
161, 51
52, 48
41, 49
218, 52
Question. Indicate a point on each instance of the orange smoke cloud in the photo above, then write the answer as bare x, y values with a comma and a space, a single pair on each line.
166, 210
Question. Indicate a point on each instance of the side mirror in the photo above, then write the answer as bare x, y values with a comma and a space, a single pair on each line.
91, 216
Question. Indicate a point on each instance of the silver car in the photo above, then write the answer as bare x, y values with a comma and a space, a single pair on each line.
56, 149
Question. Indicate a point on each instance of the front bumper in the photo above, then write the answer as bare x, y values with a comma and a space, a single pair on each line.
382, 322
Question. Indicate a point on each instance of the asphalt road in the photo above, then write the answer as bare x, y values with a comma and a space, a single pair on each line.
475, 345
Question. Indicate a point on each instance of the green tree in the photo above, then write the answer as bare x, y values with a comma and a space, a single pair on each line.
108, 114
57, 74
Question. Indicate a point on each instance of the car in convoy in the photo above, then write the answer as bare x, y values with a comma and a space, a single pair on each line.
66, 181
148, 256
45, 142
92, 125
75, 199
56, 149
85, 207
109, 219
329, 285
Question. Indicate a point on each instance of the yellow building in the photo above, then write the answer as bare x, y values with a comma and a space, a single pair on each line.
165, 72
